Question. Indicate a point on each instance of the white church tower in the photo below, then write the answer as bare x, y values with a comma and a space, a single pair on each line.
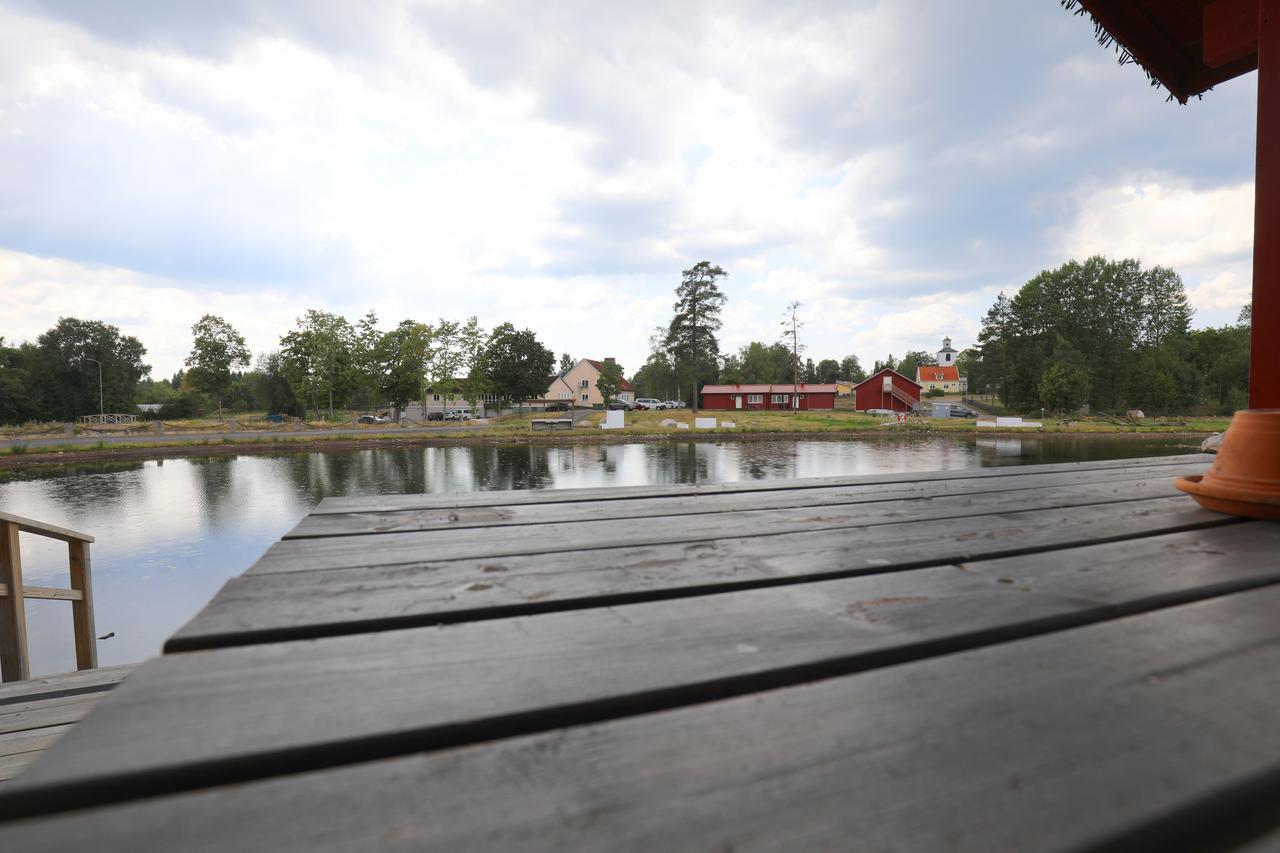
946, 355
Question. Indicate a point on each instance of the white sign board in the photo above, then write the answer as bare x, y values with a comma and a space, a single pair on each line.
704, 423
614, 419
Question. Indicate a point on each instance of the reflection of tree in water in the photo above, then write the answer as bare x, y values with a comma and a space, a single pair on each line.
767, 459
76, 486
607, 458
683, 462
510, 467
214, 475
67, 472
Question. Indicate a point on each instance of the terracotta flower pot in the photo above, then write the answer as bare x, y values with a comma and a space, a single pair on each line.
1245, 477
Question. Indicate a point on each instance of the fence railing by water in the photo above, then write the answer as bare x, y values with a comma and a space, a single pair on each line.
14, 657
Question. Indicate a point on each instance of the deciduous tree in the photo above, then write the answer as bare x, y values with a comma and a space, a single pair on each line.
217, 349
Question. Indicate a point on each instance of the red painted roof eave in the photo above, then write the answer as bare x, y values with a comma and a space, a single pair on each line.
1177, 65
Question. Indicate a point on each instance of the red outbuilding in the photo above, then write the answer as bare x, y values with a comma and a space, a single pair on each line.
768, 397
887, 389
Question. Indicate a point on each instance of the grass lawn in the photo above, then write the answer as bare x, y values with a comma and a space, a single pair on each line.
517, 428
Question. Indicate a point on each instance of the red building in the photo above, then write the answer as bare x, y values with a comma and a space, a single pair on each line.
768, 397
887, 389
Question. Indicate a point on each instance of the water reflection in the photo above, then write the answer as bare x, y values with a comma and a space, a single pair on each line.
171, 532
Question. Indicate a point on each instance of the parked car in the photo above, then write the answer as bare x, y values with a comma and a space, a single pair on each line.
645, 403
435, 416
458, 415
881, 412
675, 404
620, 405
372, 419
557, 407
959, 411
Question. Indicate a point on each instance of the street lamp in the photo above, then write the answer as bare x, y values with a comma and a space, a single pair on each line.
101, 409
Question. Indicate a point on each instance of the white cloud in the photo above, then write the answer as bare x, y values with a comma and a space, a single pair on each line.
1228, 290
160, 313
1164, 221
557, 165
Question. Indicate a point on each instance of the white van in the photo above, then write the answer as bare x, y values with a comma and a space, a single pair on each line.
648, 403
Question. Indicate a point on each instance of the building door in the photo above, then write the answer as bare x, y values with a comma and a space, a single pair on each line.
737, 401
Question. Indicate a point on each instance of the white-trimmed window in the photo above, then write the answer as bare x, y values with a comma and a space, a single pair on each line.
779, 398
585, 383
585, 397
435, 398
755, 398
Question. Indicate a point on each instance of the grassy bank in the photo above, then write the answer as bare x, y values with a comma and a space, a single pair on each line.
516, 429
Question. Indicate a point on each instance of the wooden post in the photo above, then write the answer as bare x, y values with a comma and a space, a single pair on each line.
1264, 346
14, 662
82, 607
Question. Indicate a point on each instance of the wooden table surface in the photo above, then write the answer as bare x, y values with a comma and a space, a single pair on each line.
1032, 658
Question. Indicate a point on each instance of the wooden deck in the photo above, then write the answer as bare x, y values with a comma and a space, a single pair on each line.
1044, 657
37, 712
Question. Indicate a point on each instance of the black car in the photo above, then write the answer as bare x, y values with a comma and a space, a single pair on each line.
557, 407
620, 405
435, 416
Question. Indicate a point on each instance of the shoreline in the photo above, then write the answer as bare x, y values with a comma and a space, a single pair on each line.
178, 450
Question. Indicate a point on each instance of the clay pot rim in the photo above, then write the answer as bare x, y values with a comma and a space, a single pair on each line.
1197, 485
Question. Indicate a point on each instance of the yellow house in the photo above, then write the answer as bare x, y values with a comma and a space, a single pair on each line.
578, 386
844, 388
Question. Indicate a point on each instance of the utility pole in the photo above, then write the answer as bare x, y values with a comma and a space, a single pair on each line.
101, 408
794, 333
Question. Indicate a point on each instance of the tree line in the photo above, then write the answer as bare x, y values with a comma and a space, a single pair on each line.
324, 365
1111, 335
1107, 334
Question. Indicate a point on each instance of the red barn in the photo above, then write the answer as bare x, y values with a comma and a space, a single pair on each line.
887, 389
768, 397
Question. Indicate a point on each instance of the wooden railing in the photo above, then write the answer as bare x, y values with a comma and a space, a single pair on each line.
14, 660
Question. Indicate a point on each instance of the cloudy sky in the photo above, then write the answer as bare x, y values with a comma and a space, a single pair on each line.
891, 165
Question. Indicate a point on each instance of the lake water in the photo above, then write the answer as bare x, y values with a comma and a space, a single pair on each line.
169, 533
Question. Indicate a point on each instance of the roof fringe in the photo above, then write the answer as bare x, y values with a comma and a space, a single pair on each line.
1124, 57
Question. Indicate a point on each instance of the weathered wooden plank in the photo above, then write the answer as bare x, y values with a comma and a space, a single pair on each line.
1054, 742
31, 740
52, 593
445, 518
267, 607
309, 555
14, 657
287, 706
51, 531
24, 716
64, 684
82, 622
537, 496
12, 765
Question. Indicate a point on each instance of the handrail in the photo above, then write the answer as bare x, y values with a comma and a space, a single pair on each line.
14, 658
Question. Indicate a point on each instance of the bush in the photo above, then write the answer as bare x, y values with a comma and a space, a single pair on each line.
935, 392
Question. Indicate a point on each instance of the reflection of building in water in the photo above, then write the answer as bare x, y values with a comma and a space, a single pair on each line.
1001, 446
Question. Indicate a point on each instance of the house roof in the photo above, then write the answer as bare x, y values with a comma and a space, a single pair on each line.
1186, 46
788, 388
623, 385
880, 373
937, 373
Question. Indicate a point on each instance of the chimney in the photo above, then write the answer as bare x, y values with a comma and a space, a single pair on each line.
608, 360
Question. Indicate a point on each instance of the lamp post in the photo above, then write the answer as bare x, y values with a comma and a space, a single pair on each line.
101, 408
